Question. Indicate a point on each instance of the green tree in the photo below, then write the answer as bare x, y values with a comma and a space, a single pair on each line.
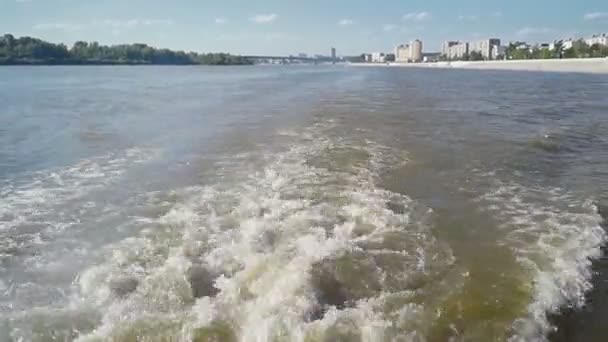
598, 50
569, 53
546, 54
514, 51
79, 50
581, 49
31, 50
475, 56
7, 43
559, 49
521, 54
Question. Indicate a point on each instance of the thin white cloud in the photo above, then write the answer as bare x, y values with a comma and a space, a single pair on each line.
275, 36
416, 16
405, 30
119, 25
157, 22
468, 17
270, 36
596, 16
389, 27
345, 22
114, 25
234, 37
264, 18
527, 31
58, 27
220, 21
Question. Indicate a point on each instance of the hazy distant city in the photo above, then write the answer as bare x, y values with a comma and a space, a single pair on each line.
488, 49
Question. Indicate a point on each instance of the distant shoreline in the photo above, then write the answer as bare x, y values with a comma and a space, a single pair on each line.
583, 65
2, 64
33, 51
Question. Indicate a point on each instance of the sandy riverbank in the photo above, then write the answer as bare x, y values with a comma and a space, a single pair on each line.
587, 65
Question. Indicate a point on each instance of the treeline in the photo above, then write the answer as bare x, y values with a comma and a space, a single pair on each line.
579, 49
28, 50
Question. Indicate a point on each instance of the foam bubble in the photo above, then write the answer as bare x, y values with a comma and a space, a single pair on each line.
258, 239
555, 236
33, 210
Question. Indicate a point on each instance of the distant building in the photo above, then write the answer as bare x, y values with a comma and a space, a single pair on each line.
402, 53
409, 53
484, 47
520, 45
367, 58
457, 51
333, 54
429, 57
568, 44
445, 47
597, 39
487, 48
416, 51
302, 55
378, 57
499, 52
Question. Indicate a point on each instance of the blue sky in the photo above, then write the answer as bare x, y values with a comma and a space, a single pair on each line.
282, 27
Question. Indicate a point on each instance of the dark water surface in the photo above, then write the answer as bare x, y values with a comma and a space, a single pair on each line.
302, 204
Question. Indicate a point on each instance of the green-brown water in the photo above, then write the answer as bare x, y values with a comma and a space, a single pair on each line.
300, 204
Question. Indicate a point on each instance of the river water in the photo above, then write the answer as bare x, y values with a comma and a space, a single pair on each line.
301, 204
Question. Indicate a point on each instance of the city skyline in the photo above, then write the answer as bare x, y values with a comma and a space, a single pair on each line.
279, 28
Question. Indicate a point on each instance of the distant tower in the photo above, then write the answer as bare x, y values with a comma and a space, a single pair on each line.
416, 51
333, 55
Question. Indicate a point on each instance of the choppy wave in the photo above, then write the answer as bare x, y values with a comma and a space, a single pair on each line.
308, 248
32, 198
305, 245
555, 236
50, 202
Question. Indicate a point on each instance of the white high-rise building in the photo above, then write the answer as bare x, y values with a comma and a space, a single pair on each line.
484, 47
409, 53
416, 51
499, 52
402, 53
458, 51
445, 47
487, 48
601, 40
378, 57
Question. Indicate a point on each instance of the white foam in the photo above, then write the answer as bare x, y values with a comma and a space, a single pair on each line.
36, 206
260, 233
44, 190
555, 236
37, 210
